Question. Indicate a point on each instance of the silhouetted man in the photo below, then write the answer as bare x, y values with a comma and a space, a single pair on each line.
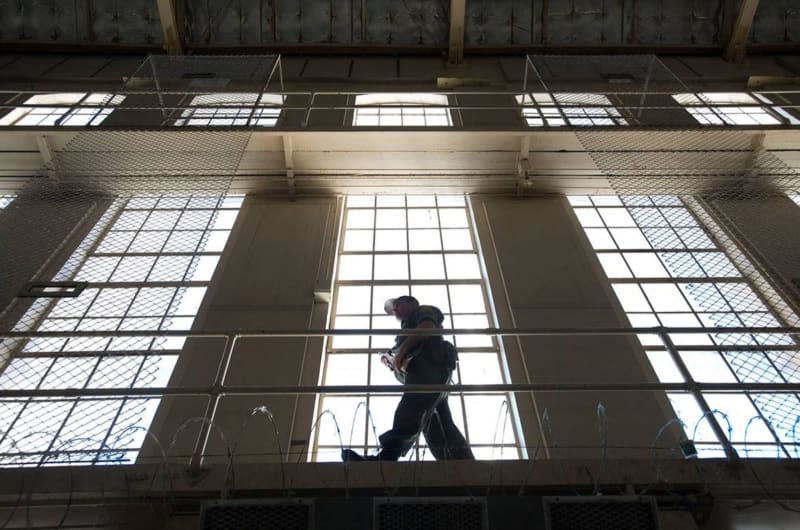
418, 360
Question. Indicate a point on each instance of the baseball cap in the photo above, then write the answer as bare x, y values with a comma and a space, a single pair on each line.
388, 305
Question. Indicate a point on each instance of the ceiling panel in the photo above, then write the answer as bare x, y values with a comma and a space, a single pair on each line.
407, 23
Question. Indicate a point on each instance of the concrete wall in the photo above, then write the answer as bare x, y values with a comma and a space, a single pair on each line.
544, 274
38, 232
278, 255
769, 226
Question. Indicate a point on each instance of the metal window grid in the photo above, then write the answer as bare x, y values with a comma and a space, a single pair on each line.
397, 221
230, 110
148, 261
736, 108
667, 271
625, 109
558, 110
76, 110
391, 113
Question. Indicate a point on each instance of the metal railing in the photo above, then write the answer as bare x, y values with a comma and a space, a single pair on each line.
219, 388
639, 109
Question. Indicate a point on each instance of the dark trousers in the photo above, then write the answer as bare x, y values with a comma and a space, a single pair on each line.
428, 413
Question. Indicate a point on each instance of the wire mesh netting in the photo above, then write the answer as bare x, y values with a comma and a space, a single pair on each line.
142, 218
120, 154
637, 90
564, 513
146, 260
203, 71
732, 164
620, 73
433, 514
257, 514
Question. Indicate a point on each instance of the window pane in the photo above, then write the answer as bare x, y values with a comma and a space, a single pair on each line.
355, 240
134, 308
705, 301
456, 240
387, 240
353, 300
395, 218
424, 240
631, 298
427, 267
423, 218
390, 267
467, 299
355, 267
462, 266
614, 266
426, 272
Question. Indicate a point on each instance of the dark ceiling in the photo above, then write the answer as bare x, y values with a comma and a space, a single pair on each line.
379, 24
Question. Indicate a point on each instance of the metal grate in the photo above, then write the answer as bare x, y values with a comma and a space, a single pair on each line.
257, 515
116, 154
600, 513
708, 163
432, 514
159, 69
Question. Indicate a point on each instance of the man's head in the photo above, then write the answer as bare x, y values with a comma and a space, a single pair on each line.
401, 307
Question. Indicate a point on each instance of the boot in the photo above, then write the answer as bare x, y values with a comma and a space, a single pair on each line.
348, 455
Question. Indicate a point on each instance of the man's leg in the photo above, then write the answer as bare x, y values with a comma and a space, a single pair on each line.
444, 439
407, 422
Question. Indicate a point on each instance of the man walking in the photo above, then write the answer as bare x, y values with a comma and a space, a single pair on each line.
418, 360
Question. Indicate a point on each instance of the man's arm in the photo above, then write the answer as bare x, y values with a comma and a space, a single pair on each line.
409, 344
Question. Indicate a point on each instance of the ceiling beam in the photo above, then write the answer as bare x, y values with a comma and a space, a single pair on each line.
46, 150
88, 22
173, 38
458, 14
288, 158
737, 45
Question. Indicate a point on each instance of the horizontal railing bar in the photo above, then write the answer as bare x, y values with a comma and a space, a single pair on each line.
234, 90
723, 348
394, 389
365, 351
243, 107
426, 332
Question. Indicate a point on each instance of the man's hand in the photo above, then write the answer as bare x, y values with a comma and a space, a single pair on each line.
400, 362
386, 359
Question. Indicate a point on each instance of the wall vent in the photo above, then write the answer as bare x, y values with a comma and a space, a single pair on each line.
257, 514
449, 513
600, 513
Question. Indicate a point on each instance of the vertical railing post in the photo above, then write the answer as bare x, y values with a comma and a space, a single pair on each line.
213, 403
708, 413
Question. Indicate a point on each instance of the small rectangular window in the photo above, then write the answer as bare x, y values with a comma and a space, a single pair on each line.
232, 110
541, 109
731, 108
69, 109
407, 109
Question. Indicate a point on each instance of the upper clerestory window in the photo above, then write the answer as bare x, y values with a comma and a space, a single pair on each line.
541, 109
405, 109
232, 109
734, 108
69, 109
